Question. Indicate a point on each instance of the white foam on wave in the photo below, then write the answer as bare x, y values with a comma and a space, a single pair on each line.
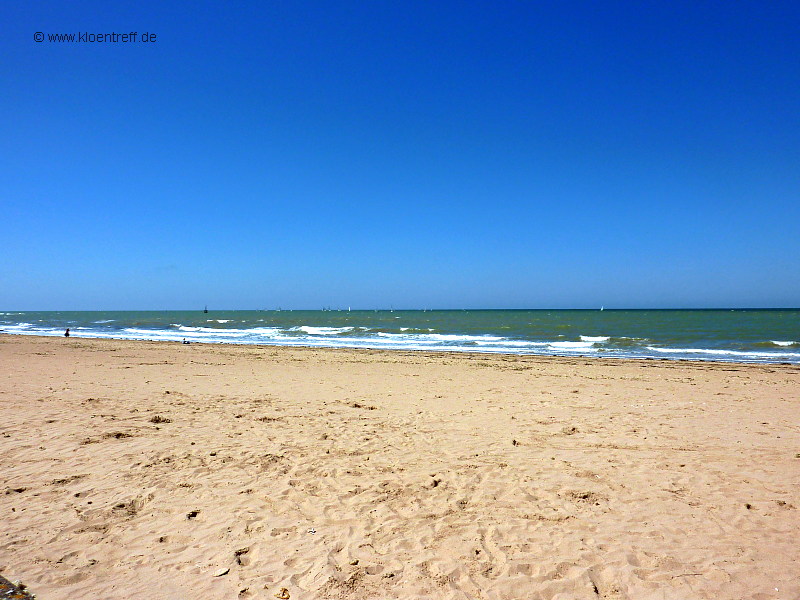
737, 353
514, 343
219, 321
263, 330
572, 345
103, 321
321, 330
19, 326
156, 335
27, 330
215, 329
210, 333
598, 338
441, 337
202, 331
411, 339
450, 337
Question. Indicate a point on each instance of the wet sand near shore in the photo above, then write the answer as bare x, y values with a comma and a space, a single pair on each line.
168, 471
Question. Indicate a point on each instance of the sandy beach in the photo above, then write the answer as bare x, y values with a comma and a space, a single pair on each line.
170, 471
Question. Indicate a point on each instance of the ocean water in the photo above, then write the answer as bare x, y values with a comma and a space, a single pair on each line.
715, 335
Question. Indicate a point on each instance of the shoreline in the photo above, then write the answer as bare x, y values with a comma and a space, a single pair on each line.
429, 353
225, 470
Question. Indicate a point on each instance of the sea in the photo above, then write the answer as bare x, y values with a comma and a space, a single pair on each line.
738, 335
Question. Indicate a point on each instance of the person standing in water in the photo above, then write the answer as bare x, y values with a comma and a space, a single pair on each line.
66, 333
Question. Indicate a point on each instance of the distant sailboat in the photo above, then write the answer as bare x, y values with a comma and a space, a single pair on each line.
205, 310
602, 308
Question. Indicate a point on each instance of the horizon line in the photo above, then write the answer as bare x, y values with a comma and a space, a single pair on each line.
391, 309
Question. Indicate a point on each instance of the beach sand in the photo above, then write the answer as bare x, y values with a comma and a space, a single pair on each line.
166, 471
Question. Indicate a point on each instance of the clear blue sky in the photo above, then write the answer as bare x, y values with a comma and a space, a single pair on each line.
418, 154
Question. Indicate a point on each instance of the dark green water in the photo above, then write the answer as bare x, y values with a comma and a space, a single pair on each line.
725, 335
